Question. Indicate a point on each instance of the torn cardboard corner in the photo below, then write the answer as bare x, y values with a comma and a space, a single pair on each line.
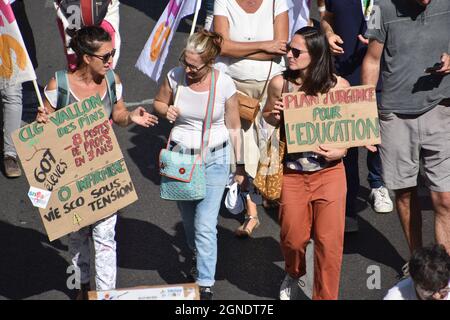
187, 291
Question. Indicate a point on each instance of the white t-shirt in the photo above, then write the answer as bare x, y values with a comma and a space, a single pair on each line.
404, 290
187, 130
250, 27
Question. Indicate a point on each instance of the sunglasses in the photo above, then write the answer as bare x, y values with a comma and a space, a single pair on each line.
190, 66
295, 52
105, 58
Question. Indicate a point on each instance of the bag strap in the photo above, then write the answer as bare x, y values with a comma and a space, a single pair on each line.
209, 112
62, 89
87, 12
111, 85
271, 61
207, 121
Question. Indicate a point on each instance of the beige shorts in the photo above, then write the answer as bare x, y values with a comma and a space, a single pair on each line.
410, 142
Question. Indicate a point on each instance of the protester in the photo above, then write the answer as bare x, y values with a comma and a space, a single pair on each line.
313, 187
414, 111
429, 276
344, 24
94, 51
68, 23
252, 51
11, 96
191, 82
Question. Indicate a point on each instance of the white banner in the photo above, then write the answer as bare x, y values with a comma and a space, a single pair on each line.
15, 64
155, 51
299, 15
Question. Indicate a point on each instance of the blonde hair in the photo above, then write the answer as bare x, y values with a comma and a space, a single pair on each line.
205, 43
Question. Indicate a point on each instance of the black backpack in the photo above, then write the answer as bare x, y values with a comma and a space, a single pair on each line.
92, 11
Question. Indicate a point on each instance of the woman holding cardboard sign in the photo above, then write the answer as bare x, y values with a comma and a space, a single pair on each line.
93, 76
314, 187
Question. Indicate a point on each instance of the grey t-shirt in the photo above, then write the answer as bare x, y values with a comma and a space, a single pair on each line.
414, 39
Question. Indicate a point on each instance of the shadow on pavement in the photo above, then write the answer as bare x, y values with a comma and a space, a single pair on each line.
144, 246
249, 264
30, 264
147, 145
373, 245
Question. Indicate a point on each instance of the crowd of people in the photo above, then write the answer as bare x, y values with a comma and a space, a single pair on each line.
247, 49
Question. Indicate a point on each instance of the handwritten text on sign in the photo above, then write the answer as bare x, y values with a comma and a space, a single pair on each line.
77, 158
342, 117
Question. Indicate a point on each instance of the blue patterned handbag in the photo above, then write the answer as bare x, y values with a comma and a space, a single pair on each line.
183, 175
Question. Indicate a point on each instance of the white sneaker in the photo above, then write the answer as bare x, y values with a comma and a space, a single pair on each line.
290, 287
381, 201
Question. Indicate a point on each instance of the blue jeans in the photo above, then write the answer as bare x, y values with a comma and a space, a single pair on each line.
200, 217
352, 173
11, 99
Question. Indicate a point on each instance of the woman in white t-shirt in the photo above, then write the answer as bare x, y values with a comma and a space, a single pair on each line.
255, 34
190, 83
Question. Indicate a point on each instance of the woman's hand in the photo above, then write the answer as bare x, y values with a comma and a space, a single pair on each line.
143, 118
240, 176
278, 108
329, 153
42, 115
275, 47
172, 113
335, 43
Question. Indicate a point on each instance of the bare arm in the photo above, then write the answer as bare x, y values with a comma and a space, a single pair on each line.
163, 99
256, 50
43, 112
370, 70
334, 40
274, 106
233, 124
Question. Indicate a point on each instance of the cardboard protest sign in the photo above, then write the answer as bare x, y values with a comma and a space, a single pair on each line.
343, 118
76, 157
187, 291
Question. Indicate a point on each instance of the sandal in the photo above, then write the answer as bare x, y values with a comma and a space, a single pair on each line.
245, 230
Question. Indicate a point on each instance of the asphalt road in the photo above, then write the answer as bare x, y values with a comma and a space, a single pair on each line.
151, 247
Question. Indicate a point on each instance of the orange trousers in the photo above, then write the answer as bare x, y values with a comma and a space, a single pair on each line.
313, 206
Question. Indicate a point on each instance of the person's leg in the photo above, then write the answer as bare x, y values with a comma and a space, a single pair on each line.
329, 219
295, 218
80, 257
374, 167
12, 119
379, 195
187, 210
206, 215
400, 158
353, 184
435, 126
441, 204
103, 235
409, 212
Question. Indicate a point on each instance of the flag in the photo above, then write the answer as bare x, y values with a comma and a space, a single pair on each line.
15, 63
155, 51
299, 15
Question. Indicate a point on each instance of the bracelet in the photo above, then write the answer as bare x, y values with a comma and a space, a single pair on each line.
322, 8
